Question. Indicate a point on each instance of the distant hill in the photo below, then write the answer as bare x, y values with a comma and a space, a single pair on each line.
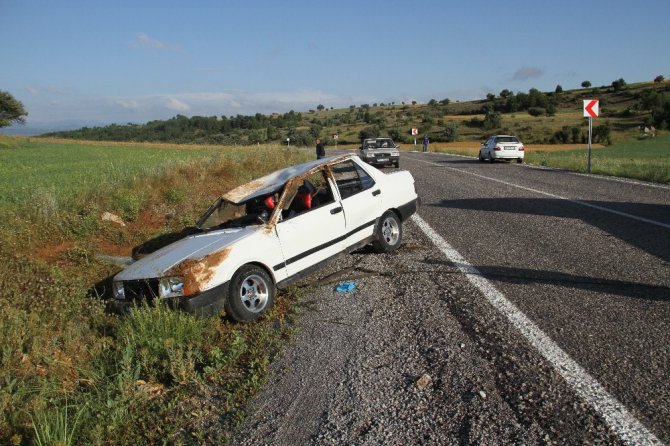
34, 129
537, 117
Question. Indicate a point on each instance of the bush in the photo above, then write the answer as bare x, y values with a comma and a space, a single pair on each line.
451, 132
164, 345
619, 84
127, 203
368, 132
537, 111
492, 120
601, 134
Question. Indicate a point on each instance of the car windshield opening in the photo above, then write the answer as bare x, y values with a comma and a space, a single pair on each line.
225, 214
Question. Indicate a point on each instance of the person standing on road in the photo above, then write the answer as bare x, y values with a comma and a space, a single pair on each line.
425, 143
320, 151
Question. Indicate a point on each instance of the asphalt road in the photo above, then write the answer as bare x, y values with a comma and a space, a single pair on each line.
587, 259
563, 335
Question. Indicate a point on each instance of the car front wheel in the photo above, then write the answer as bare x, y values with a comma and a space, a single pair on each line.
250, 295
388, 232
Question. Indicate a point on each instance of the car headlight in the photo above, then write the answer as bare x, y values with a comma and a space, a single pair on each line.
395, 153
370, 155
119, 292
171, 287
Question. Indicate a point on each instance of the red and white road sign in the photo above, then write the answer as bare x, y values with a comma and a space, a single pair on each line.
415, 132
591, 108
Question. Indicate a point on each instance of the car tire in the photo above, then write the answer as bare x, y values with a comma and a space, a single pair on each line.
397, 165
480, 157
519, 160
388, 233
490, 158
250, 295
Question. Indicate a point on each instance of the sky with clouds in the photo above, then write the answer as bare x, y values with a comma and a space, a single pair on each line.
96, 62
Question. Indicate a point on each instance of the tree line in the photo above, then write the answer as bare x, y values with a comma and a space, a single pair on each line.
651, 104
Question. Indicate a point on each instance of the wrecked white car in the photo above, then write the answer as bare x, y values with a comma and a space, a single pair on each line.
269, 232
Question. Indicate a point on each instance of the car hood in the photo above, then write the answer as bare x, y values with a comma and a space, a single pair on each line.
194, 247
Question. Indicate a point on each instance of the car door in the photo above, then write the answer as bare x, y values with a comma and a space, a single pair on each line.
361, 200
310, 233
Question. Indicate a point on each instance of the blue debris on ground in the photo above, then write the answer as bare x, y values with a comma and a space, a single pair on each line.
346, 287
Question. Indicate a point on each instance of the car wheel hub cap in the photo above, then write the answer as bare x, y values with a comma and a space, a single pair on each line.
254, 293
390, 231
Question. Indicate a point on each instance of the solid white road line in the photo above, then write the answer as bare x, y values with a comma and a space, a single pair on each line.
558, 197
622, 422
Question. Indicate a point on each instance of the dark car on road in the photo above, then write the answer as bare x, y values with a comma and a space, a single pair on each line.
380, 152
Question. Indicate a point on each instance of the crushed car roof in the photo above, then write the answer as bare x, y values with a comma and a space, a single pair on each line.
273, 181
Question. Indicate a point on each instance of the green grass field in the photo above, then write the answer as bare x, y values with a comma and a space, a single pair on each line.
68, 168
647, 159
73, 374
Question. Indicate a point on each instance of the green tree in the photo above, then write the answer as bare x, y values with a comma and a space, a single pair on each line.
320, 107
586, 84
11, 110
559, 89
658, 79
661, 113
619, 84
492, 120
368, 132
451, 131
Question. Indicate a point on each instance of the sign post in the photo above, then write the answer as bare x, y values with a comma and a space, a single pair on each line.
335, 137
590, 111
414, 133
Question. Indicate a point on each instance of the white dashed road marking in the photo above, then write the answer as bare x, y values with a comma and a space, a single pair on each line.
622, 422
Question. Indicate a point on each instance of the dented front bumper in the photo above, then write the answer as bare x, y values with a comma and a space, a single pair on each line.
206, 303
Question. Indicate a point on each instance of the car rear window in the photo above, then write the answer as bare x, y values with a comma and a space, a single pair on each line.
351, 179
507, 139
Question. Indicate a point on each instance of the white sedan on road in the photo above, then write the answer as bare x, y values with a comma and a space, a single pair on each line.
270, 232
502, 147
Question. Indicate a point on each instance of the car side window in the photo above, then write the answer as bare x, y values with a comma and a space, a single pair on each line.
314, 192
351, 178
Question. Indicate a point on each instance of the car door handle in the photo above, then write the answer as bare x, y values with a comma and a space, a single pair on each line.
377, 192
336, 210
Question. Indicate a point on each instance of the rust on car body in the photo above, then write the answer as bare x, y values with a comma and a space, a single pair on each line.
198, 273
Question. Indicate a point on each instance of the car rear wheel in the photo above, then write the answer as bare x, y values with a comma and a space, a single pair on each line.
519, 160
388, 232
490, 158
480, 157
251, 294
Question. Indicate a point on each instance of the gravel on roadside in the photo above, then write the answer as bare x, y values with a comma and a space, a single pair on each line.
412, 356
